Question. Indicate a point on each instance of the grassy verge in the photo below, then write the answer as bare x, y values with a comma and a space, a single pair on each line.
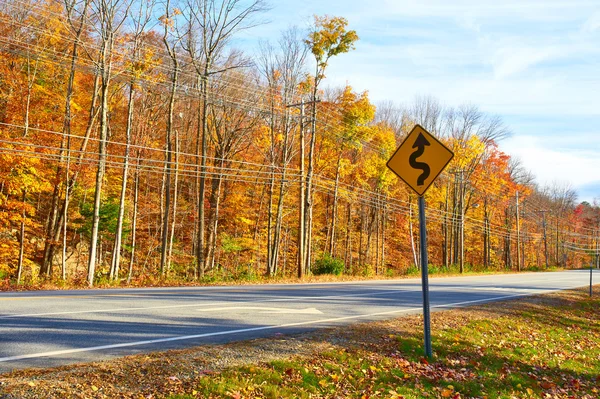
536, 347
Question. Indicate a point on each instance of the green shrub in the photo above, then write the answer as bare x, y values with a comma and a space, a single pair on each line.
327, 264
413, 270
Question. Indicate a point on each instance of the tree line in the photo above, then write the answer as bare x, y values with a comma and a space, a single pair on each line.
138, 144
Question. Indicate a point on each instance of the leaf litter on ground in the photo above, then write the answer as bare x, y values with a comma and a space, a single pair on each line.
545, 346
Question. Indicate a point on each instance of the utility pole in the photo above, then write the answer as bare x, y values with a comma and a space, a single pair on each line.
543, 212
301, 251
518, 236
462, 223
302, 228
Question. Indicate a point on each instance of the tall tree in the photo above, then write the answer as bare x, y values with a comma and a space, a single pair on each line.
282, 68
111, 16
211, 26
139, 64
329, 37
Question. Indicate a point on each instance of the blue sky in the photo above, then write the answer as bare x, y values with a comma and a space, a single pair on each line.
534, 63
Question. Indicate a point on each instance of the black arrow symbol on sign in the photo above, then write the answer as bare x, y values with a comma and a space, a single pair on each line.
419, 144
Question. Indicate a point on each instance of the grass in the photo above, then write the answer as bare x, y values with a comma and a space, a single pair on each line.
535, 347
547, 349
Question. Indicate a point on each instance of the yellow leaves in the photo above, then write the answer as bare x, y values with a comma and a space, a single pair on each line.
94, 388
330, 38
356, 108
244, 220
31, 384
465, 152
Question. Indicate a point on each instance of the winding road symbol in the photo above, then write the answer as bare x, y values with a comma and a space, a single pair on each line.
420, 159
420, 144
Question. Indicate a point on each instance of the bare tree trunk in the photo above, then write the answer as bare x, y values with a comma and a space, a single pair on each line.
370, 229
335, 206
507, 240
446, 246
31, 76
412, 236
348, 254
169, 155
106, 67
270, 238
280, 202
175, 196
22, 240
61, 220
215, 199
486, 237
136, 190
361, 252
67, 123
116, 259
109, 25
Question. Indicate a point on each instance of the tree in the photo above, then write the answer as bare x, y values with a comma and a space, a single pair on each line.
211, 26
140, 63
110, 13
282, 69
328, 38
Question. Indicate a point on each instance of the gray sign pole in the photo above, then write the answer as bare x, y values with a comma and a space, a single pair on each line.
591, 272
425, 277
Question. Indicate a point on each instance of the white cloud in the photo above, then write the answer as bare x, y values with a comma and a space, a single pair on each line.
508, 61
536, 10
592, 24
516, 96
549, 163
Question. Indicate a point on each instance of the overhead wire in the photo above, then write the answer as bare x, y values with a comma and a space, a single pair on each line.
453, 220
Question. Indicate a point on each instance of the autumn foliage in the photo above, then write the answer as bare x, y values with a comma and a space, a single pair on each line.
139, 131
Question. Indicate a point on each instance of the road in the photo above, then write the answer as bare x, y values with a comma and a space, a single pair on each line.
51, 328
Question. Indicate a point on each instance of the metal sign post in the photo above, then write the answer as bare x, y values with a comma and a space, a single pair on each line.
418, 162
591, 273
425, 277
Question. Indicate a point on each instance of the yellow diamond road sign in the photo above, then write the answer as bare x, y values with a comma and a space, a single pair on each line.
420, 159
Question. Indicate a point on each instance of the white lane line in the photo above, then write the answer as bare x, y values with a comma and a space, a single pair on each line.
254, 329
262, 309
279, 298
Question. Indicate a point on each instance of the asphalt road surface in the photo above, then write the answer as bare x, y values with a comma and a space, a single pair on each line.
44, 329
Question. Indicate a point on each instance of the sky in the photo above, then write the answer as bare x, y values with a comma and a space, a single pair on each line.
536, 64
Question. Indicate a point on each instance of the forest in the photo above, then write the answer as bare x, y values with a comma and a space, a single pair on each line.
139, 144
